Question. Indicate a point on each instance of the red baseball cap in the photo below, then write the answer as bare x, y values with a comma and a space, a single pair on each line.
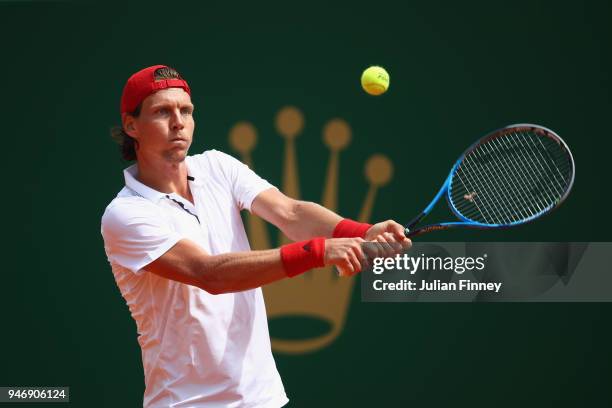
143, 83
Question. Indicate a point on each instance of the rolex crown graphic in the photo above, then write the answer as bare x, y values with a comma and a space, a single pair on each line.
318, 295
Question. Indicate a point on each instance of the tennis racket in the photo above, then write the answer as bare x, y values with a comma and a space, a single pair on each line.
511, 176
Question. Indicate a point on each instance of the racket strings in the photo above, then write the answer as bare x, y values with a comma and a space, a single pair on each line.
501, 189
491, 196
510, 178
556, 181
562, 181
519, 174
493, 214
528, 171
509, 171
532, 166
497, 189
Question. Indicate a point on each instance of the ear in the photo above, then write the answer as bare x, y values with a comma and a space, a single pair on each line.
129, 125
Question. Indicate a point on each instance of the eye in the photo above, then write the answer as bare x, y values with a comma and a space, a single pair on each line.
186, 111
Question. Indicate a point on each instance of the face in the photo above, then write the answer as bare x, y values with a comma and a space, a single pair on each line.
164, 128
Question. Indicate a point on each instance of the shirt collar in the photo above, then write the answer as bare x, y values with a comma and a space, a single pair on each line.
147, 192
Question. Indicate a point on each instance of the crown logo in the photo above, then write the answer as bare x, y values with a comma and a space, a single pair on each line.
319, 294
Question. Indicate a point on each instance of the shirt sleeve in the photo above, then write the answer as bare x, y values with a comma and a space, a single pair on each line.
136, 235
245, 184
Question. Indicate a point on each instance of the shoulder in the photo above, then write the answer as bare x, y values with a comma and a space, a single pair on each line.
212, 158
125, 209
215, 164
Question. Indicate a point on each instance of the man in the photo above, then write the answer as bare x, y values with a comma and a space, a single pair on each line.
181, 259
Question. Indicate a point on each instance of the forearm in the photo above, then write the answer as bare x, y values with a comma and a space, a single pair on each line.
238, 271
308, 220
187, 263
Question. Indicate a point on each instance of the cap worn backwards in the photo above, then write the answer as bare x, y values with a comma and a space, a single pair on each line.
143, 83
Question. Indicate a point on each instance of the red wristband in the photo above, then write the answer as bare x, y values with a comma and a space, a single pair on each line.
300, 257
349, 229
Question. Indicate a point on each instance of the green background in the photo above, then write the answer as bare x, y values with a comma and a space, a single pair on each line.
457, 71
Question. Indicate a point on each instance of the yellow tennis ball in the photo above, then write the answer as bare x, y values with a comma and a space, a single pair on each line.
375, 80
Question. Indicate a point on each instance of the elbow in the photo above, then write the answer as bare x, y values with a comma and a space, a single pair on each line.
214, 291
206, 276
215, 285
291, 214
214, 288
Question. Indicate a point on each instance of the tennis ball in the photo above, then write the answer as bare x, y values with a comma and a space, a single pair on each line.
375, 80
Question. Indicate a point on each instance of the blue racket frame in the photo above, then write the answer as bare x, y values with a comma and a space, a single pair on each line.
466, 222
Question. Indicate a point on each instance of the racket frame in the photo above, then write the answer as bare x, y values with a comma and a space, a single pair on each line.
468, 223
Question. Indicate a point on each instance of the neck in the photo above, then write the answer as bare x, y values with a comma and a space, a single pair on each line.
166, 177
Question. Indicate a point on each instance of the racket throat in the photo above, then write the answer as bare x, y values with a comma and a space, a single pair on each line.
408, 228
428, 228
448, 225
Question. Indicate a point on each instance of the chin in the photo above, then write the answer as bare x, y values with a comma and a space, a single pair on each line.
176, 156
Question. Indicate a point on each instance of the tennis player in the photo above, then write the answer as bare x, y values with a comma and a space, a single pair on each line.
181, 259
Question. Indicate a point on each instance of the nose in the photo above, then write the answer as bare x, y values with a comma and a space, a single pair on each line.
178, 121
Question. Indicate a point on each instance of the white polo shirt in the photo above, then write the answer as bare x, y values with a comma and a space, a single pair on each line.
198, 349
